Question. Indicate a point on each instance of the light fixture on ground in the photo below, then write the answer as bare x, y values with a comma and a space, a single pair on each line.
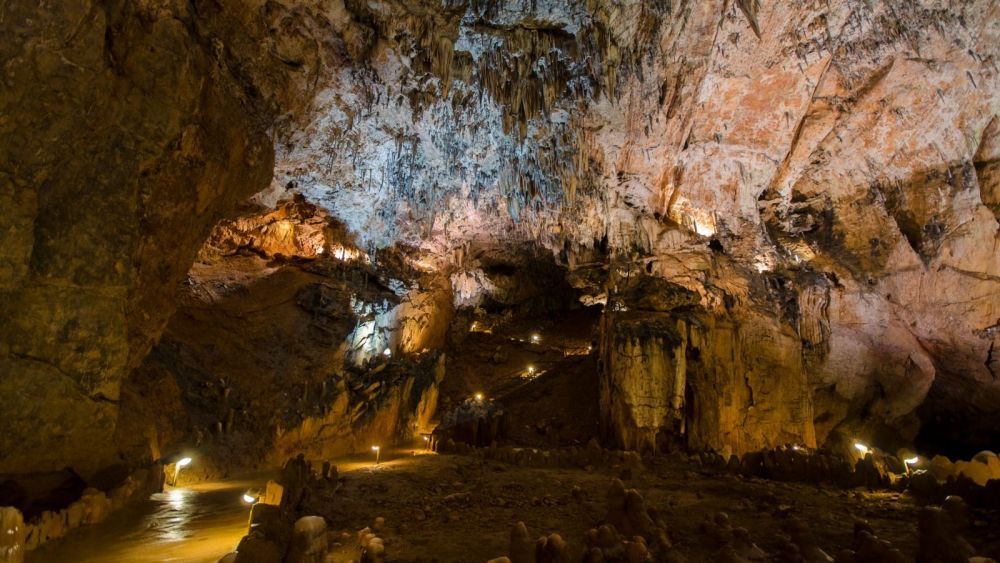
531, 370
387, 353
911, 460
479, 397
861, 448
181, 463
377, 451
251, 497
536, 338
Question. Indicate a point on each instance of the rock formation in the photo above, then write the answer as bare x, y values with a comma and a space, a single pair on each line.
790, 214
129, 129
283, 343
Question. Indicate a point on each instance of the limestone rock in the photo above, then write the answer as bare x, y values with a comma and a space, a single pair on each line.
522, 547
308, 540
254, 548
12, 535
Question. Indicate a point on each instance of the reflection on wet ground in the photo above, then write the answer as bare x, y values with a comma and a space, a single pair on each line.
198, 523
192, 524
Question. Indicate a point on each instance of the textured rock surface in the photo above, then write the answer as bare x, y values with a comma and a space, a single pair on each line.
840, 158
730, 383
277, 348
821, 180
128, 128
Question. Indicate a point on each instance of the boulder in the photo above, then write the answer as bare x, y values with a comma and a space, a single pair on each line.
255, 548
308, 540
373, 551
941, 467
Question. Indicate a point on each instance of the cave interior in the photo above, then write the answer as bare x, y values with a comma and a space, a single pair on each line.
521, 281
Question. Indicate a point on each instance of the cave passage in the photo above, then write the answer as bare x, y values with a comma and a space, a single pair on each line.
186, 524
503, 281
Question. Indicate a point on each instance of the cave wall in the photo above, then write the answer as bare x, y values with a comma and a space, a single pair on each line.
130, 128
831, 166
644, 379
124, 140
674, 376
278, 345
840, 155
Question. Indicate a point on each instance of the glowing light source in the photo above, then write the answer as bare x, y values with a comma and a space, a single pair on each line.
479, 397
536, 338
531, 370
861, 448
911, 460
181, 463
703, 229
249, 499
377, 451
387, 353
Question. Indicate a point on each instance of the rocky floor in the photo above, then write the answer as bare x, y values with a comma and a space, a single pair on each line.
459, 508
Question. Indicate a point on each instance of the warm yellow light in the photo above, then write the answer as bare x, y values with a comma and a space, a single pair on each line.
387, 352
479, 397
796, 447
911, 460
247, 498
536, 338
375, 448
184, 462
427, 438
531, 370
861, 448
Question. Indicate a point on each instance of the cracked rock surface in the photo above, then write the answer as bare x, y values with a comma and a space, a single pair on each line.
790, 211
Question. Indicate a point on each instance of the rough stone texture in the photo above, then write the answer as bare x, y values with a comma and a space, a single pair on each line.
839, 157
826, 173
277, 348
730, 384
128, 128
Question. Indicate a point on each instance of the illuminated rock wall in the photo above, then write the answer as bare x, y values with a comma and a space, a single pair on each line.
830, 165
682, 378
277, 348
845, 150
643, 381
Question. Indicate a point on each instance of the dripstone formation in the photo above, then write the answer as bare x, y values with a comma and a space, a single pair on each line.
739, 229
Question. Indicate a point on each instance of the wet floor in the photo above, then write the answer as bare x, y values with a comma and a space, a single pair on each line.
200, 523
194, 524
